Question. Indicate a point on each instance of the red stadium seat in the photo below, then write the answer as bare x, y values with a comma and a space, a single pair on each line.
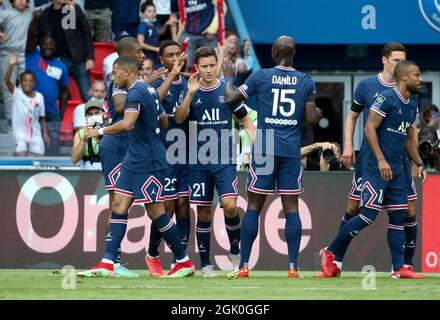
102, 50
74, 90
66, 130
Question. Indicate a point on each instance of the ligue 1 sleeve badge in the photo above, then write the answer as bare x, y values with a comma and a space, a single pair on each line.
430, 10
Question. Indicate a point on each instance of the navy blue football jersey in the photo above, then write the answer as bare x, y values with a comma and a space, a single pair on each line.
172, 100
146, 151
199, 14
210, 117
281, 95
399, 114
117, 143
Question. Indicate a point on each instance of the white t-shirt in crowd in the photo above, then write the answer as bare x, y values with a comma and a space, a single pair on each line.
79, 118
163, 7
26, 113
107, 64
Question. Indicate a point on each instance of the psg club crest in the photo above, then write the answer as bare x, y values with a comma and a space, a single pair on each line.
430, 10
221, 99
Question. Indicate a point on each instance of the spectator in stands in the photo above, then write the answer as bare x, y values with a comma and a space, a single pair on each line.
28, 122
163, 8
51, 79
74, 45
147, 69
99, 15
231, 51
200, 27
85, 152
125, 17
231, 37
150, 30
98, 92
322, 156
13, 29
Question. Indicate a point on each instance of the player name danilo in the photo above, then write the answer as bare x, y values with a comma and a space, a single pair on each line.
286, 80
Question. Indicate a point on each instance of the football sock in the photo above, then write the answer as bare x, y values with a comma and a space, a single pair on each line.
170, 234
203, 234
233, 231
249, 231
349, 231
346, 217
396, 237
154, 242
184, 227
293, 232
410, 239
116, 232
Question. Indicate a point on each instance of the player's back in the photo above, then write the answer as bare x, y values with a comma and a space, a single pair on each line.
117, 143
398, 115
281, 94
145, 150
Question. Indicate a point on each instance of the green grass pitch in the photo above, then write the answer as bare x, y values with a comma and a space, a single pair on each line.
263, 285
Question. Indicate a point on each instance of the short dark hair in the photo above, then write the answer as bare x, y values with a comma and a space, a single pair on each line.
204, 52
147, 4
126, 44
25, 73
12, 2
392, 46
165, 44
127, 62
402, 67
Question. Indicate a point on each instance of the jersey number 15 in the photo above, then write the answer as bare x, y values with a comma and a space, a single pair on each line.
281, 96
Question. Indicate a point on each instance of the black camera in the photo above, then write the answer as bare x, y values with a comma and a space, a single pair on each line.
328, 155
427, 148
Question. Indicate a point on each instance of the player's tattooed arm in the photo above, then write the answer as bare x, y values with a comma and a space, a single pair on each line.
125, 125
183, 110
233, 95
411, 147
348, 156
373, 122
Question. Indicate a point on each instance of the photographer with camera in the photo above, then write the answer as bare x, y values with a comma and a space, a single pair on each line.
429, 148
322, 156
85, 152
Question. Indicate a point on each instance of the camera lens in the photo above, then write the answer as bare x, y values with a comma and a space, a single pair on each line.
328, 154
425, 149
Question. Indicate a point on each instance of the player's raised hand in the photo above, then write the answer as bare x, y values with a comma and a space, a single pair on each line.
385, 170
228, 68
3, 37
193, 83
12, 59
347, 156
178, 65
155, 75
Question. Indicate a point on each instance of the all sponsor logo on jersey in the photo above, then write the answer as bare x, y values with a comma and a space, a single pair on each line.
402, 128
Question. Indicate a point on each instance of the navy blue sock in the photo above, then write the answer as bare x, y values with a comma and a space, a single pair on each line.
249, 231
346, 217
116, 232
233, 230
396, 237
184, 227
349, 231
155, 238
118, 257
410, 239
293, 232
203, 234
170, 234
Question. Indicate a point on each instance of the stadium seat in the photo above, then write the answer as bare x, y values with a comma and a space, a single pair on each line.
66, 130
101, 50
74, 90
